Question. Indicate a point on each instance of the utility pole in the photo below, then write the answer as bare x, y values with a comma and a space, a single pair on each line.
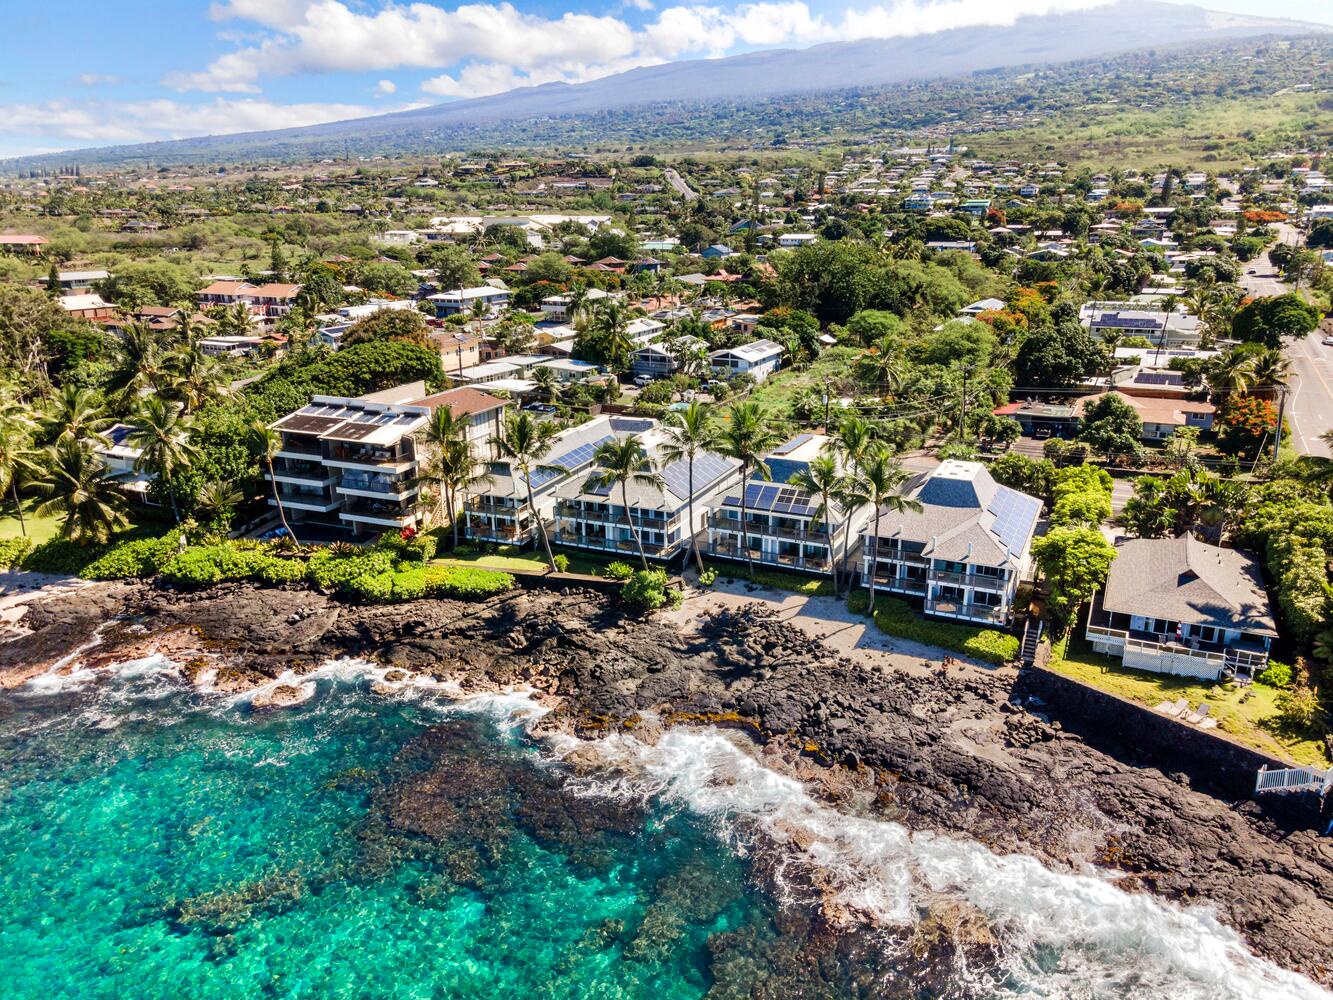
1281, 410
962, 409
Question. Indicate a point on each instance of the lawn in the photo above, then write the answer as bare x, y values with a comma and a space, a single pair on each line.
1249, 715
509, 557
39, 528
796, 583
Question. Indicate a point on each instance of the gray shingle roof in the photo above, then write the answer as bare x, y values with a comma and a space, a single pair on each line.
966, 517
1189, 581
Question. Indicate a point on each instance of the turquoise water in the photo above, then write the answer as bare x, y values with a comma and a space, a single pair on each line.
164, 845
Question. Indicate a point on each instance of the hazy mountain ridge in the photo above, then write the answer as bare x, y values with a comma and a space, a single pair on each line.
1127, 26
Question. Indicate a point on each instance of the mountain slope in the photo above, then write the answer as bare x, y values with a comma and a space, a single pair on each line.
1126, 26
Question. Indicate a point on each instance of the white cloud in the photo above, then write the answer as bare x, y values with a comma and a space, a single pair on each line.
487, 47
145, 121
386, 87
100, 79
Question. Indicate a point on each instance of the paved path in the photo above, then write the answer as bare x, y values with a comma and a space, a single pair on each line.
678, 184
1310, 400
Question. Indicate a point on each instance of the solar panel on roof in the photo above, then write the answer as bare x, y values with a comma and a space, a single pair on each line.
793, 444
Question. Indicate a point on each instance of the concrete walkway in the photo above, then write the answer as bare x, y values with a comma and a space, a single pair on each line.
825, 618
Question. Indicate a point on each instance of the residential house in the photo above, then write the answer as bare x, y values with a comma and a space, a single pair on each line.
783, 525
80, 281
499, 511
459, 300
22, 243
350, 463
963, 554
657, 361
229, 346
458, 349
119, 458
791, 240
760, 358
981, 306
1162, 416
556, 308
595, 518
1182, 606
89, 306
484, 413
717, 251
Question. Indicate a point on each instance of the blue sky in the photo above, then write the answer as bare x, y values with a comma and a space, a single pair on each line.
95, 72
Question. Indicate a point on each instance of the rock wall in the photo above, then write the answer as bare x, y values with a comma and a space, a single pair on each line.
1133, 732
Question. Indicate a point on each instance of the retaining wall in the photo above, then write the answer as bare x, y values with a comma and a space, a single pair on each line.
1132, 732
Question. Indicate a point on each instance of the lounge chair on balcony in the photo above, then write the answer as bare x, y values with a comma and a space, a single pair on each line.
1196, 718
1174, 708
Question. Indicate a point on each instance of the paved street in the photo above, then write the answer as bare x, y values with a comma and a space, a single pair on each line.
678, 184
1310, 401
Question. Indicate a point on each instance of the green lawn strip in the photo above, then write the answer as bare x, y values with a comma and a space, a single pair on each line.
510, 557
39, 529
894, 617
796, 583
1248, 714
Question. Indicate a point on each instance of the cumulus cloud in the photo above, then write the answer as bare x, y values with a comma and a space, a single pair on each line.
144, 121
386, 87
486, 47
100, 79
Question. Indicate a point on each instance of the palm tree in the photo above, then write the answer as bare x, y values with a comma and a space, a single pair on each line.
880, 365
78, 486
17, 462
546, 382
853, 443
1269, 372
195, 379
523, 443
821, 478
159, 432
265, 442
687, 435
459, 473
747, 437
442, 428
140, 363
880, 483
1231, 372
76, 414
620, 462
217, 500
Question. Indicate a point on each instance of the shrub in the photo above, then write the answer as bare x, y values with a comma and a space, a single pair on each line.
619, 570
467, 583
328, 570
13, 551
201, 565
371, 586
1277, 675
137, 557
420, 549
561, 562
896, 618
272, 569
647, 590
62, 557
707, 578
409, 585
1299, 708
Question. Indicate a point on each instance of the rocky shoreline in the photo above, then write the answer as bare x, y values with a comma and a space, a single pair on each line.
957, 752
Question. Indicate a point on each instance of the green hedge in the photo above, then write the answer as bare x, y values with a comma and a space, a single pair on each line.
896, 618
202, 565
13, 551
467, 583
138, 557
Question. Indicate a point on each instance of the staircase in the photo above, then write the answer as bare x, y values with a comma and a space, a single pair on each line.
1294, 779
1032, 631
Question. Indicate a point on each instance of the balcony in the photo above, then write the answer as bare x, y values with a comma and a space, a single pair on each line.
730, 549
574, 512
1162, 653
814, 534
387, 514
490, 504
363, 458
604, 543
968, 612
316, 502
374, 488
995, 583
482, 530
300, 448
302, 474
900, 584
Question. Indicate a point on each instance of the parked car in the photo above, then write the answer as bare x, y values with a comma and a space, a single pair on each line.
643, 380
1328, 341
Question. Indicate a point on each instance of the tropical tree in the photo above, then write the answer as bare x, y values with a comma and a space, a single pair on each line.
217, 501
442, 428
854, 441
460, 473
523, 443
78, 486
821, 478
74, 413
879, 482
620, 462
18, 462
747, 436
688, 434
548, 385
1232, 372
194, 379
159, 431
265, 442
139, 365
1270, 371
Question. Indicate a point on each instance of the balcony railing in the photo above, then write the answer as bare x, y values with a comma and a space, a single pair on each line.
392, 487
769, 531
363, 457
606, 544
903, 584
1159, 645
573, 513
960, 609
969, 579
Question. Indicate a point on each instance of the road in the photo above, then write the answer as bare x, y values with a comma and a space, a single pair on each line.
1310, 400
678, 184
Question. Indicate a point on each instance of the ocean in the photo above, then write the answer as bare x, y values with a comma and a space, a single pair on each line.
159, 841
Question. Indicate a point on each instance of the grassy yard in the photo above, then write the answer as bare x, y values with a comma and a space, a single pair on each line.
509, 557
1247, 714
796, 583
39, 528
